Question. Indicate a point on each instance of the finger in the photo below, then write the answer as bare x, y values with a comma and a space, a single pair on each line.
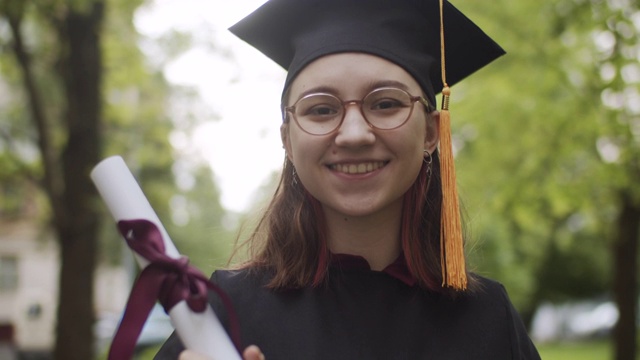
253, 352
190, 355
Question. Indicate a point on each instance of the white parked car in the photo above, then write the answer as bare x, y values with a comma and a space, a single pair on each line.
574, 320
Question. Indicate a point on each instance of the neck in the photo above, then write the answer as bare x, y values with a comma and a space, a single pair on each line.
375, 237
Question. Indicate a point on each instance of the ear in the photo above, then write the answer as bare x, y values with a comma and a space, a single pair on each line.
286, 141
432, 134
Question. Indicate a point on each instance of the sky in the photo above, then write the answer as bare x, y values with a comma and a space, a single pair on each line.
243, 146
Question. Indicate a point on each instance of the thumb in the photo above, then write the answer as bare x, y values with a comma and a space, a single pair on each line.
253, 352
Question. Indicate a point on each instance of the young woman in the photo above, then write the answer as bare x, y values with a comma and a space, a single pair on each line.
350, 259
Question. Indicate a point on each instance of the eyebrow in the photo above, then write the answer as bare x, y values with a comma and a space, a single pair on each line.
376, 84
388, 83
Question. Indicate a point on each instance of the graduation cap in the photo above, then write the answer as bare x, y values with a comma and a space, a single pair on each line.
409, 33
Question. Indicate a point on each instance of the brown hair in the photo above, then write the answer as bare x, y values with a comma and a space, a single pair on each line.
289, 238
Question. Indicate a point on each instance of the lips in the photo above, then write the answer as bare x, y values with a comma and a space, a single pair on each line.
359, 168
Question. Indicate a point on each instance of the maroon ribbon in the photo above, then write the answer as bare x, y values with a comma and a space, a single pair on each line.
166, 280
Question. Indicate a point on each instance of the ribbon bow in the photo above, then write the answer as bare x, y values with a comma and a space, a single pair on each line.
165, 279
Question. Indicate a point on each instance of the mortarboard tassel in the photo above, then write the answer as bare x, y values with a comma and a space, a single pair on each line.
451, 245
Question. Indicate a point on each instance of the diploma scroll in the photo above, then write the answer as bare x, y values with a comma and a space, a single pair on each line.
200, 332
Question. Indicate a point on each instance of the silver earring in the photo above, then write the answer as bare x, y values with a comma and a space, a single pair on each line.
294, 176
428, 159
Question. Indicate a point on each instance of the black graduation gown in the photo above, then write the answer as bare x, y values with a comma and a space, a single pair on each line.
364, 314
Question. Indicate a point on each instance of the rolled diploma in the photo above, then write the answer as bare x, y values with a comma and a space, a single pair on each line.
200, 332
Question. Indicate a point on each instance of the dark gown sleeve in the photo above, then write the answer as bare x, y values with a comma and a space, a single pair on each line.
523, 347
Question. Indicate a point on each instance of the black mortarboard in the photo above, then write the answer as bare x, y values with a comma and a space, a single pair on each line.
293, 33
430, 39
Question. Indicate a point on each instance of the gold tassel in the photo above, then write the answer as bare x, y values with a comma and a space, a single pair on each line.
451, 244
454, 273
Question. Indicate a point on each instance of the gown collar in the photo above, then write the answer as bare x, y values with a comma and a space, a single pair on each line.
397, 269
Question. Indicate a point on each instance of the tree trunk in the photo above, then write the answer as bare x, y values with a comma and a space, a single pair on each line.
625, 282
81, 70
71, 194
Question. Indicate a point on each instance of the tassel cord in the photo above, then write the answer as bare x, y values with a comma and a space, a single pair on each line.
451, 240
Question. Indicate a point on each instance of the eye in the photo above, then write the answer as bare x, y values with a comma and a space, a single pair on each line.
386, 104
321, 110
387, 100
320, 107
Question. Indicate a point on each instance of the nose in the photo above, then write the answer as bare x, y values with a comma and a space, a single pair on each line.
354, 130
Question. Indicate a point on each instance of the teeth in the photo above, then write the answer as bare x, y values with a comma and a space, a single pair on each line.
361, 168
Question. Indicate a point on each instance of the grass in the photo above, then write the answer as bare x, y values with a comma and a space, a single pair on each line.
582, 350
594, 350
147, 354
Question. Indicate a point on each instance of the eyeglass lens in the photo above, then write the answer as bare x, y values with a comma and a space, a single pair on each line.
385, 108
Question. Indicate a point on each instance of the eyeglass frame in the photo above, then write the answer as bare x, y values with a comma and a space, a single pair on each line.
413, 99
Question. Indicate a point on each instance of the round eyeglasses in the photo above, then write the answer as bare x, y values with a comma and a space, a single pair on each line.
383, 108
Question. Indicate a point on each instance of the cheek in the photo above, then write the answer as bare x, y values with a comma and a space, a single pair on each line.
416, 135
414, 145
303, 148
415, 157
293, 145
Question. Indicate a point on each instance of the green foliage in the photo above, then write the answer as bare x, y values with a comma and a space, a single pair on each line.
541, 200
198, 219
21, 172
13, 9
592, 350
137, 121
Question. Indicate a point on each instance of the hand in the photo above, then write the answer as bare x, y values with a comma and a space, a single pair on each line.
250, 353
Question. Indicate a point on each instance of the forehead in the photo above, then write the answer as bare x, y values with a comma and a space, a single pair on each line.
349, 72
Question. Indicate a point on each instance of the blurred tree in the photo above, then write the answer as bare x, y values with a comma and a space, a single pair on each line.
58, 110
549, 167
529, 216
201, 226
67, 153
613, 79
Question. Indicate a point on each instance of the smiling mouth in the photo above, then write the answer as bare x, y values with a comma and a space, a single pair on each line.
361, 168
